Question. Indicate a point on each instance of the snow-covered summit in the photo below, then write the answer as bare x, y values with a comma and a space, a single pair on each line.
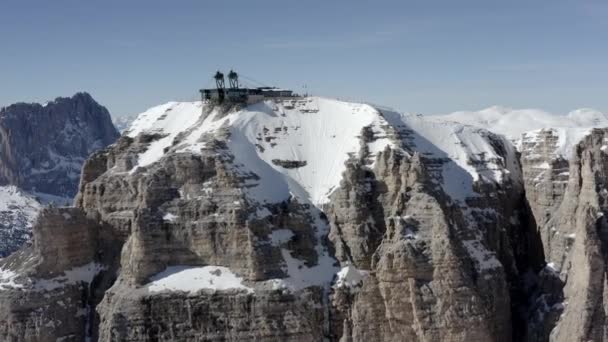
300, 147
518, 124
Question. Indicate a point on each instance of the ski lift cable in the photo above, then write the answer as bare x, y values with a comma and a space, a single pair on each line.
253, 80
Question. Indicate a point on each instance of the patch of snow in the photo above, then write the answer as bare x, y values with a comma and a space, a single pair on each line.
84, 273
350, 276
192, 279
302, 276
280, 236
544, 165
551, 267
7, 279
169, 217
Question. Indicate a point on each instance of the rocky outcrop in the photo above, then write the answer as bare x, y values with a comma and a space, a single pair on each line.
436, 271
191, 211
289, 164
45, 289
576, 242
546, 177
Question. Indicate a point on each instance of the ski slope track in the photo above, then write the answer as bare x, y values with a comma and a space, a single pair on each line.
300, 147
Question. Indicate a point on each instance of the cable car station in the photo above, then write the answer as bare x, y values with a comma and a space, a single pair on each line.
235, 94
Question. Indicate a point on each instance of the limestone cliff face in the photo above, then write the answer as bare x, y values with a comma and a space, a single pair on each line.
546, 177
48, 299
437, 270
575, 238
306, 221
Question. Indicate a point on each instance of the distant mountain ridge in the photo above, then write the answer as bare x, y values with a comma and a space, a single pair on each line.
42, 149
122, 123
524, 124
514, 122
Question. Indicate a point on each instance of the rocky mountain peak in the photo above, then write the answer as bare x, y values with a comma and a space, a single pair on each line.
317, 204
42, 149
316, 219
44, 146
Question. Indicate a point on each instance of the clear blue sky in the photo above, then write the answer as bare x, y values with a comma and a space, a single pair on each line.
416, 56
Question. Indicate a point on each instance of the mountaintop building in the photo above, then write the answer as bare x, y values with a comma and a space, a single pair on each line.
234, 93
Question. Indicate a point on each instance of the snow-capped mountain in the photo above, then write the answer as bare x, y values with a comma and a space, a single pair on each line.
122, 123
310, 218
286, 144
527, 124
42, 149
300, 202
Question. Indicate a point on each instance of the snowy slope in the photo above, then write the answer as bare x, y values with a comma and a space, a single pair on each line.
299, 149
18, 212
323, 140
468, 153
12, 198
570, 128
317, 136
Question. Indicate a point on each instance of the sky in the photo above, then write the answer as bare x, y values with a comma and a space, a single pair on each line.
426, 57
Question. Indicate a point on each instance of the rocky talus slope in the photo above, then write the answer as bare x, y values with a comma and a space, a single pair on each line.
315, 220
42, 149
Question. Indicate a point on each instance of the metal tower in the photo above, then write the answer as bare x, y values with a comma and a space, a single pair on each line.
233, 79
219, 80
